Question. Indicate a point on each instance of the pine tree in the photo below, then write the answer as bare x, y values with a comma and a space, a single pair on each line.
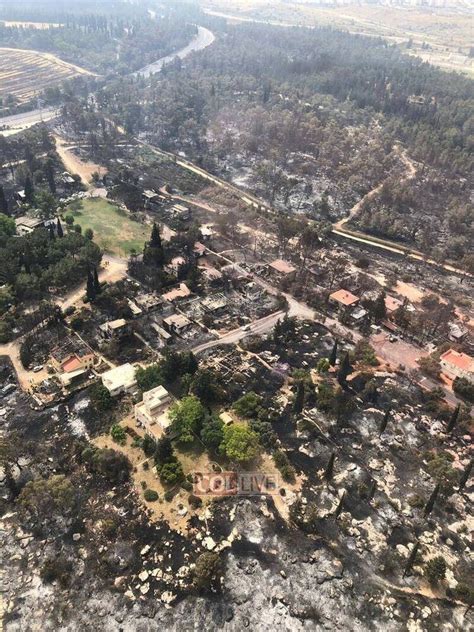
411, 559
29, 189
465, 476
3, 202
90, 289
97, 286
385, 421
333, 356
344, 370
430, 504
454, 418
59, 228
328, 472
298, 402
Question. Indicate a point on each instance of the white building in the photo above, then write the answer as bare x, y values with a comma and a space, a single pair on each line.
120, 380
177, 323
114, 328
152, 412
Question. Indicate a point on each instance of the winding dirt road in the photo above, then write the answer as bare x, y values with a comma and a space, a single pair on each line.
411, 170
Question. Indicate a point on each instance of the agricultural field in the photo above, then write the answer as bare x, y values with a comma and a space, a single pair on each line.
24, 73
114, 231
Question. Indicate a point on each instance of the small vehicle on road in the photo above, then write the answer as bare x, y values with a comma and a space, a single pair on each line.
38, 368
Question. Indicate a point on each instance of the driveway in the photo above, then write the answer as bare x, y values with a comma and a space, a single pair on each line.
398, 352
113, 269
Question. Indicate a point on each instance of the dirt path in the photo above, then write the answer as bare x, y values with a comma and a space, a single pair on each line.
74, 164
27, 379
113, 269
411, 170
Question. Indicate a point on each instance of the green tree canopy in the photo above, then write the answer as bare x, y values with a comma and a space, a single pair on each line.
212, 433
249, 405
240, 443
187, 418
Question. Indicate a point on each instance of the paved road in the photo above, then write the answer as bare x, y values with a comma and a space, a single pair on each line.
203, 39
428, 384
262, 326
18, 122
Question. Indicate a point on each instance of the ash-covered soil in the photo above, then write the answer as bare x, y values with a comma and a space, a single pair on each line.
99, 563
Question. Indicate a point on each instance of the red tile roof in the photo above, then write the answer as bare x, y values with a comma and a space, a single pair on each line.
344, 297
282, 266
460, 360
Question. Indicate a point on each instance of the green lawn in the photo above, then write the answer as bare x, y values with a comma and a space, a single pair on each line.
114, 231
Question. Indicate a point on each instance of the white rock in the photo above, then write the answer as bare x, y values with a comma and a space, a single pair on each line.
76, 537
143, 576
168, 597
209, 543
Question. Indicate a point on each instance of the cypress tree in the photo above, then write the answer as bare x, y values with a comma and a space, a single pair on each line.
97, 287
277, 332
164, 451
155, 240
328, 472
49, 173
3, 202
454, 418
90, 289
379, 310
29, 189
384, 422
430, 504
59, 228
344, 370
333, 356
465, 476
372, 490
412, 558
340, 506
299, 398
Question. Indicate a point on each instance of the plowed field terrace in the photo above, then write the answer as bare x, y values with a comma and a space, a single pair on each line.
24, 73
